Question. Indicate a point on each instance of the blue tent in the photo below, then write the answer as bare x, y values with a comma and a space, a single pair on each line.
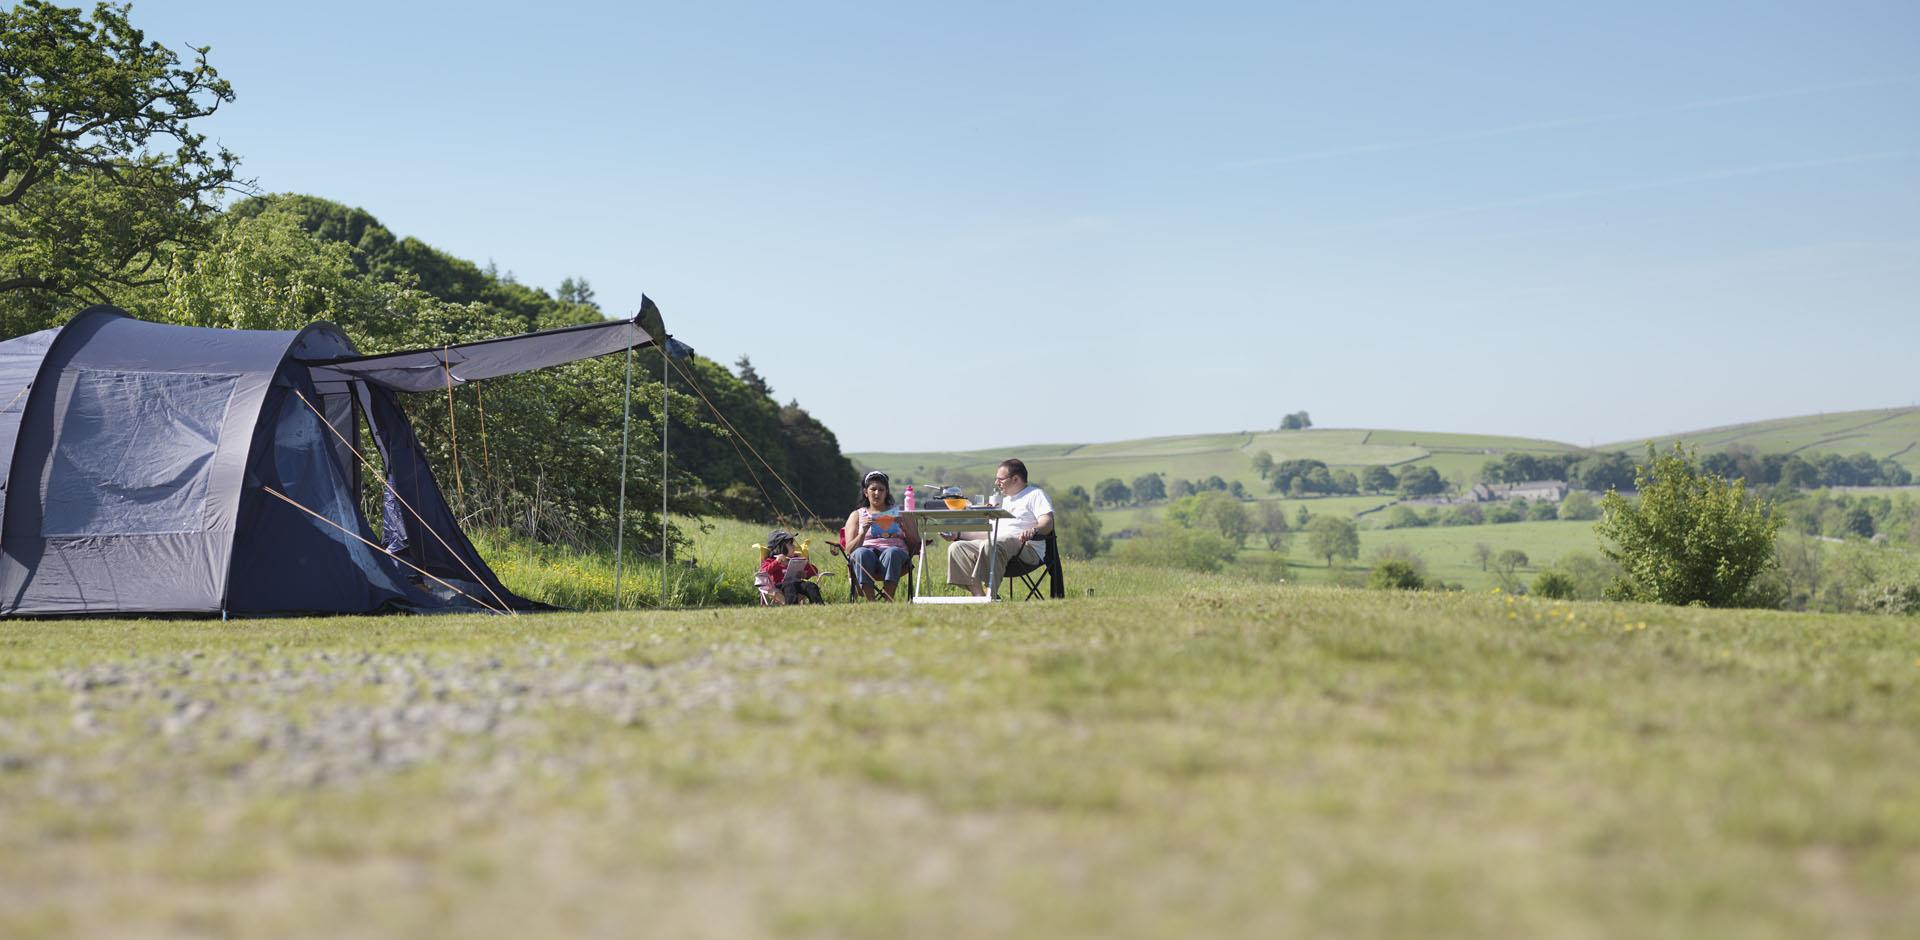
168, 469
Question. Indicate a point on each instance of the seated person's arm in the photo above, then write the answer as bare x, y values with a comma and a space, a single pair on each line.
854, 533
1042, 526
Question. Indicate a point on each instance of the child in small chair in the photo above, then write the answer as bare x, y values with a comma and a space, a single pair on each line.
787, 570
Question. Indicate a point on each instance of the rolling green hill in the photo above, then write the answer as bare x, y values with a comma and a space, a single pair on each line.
1887, 432
1228, 456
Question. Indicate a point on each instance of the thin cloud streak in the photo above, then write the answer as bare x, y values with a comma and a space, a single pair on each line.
1569, 195
1311, 156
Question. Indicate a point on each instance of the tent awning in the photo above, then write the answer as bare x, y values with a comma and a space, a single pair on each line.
426, 370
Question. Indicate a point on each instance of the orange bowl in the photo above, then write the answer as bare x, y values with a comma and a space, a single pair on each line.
955, 502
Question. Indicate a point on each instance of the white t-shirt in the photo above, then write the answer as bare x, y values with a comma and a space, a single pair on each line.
1027, 507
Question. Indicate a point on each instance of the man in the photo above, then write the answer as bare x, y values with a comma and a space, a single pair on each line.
1022, 535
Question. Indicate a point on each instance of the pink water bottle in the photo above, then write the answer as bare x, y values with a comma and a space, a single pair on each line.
909, 502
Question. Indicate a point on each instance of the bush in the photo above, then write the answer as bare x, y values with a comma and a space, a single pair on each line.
1692, 538
1213, 510
1395, 575
1403, 517
1591, 575
1464, 515
1076, 528
1542, 511
1555, 585
1178, 547
1892, 597
1501, 513
1399, 553
1579, 507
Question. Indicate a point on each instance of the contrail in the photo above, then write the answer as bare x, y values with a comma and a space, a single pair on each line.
1310, 156
1758, 169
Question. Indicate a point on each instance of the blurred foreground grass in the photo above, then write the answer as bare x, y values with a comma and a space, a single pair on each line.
1173, 756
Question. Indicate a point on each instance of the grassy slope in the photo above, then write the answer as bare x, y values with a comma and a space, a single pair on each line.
1199, 758
1447, 550
1228, 456
1889, 432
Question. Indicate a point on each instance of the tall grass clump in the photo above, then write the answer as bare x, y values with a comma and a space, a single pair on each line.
583, 580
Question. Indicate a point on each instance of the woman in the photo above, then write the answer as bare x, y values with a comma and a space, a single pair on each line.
876, 538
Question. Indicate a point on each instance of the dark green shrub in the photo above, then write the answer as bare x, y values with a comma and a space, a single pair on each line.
1554, 585
1395, 575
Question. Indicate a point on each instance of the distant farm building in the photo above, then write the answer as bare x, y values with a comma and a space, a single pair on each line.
1550, 491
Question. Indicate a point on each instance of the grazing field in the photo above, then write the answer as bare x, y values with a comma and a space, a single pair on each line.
1446, 550
1892, 432
1120, 517
1888, 432
1229, 456
1173, 756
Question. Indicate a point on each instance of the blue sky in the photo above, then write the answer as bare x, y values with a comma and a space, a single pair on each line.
1587, 222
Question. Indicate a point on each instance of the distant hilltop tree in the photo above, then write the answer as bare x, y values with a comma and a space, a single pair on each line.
1298, 421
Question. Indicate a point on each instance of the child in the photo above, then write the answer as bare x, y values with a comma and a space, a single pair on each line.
789, 570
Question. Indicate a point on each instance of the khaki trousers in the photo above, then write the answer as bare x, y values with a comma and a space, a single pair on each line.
967, 558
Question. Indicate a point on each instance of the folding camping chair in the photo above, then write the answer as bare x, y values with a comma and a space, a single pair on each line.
1048, 570
768, 587
839, 547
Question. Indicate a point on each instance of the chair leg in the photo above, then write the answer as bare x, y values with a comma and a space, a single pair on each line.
1033, 589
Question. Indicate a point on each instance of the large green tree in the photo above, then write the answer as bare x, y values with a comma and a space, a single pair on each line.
1333, 537
358, 260
1216, 511
1271, 522
381, 255
1421, 481
1075, 526
104, 183
1149, 488
1692, 537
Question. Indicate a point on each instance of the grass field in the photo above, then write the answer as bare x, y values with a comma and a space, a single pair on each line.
1173, 756
1447, 550
1891, 432
1458, 457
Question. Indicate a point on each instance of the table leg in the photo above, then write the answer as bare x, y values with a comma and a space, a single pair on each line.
993, 560
919, 571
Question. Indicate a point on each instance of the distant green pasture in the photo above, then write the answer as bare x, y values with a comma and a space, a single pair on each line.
1889, 432
1336, 453
1458, 457
1466, 442
1123, 517
1229, 456
1156, 446
1447, 551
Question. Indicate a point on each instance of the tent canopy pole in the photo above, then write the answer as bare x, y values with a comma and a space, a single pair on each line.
666, 418
620, 517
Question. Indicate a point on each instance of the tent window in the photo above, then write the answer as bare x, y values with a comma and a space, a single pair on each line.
133, 453
303, 459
